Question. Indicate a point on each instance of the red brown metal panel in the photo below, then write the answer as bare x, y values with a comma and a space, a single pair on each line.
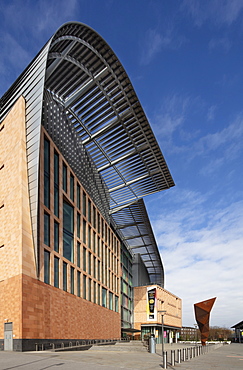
202, 313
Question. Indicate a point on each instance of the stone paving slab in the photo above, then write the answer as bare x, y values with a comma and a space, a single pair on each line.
226, 357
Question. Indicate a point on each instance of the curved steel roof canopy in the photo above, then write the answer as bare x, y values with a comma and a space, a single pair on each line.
86, 77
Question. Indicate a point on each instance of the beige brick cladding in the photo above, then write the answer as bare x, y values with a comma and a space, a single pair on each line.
16, 252
165, 301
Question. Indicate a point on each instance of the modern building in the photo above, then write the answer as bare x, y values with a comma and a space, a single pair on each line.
77, 156
190, 333
157, 312
238, 332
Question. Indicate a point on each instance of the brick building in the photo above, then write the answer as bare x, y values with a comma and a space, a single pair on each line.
77, 156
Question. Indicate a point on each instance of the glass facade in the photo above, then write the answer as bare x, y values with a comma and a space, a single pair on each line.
76, 241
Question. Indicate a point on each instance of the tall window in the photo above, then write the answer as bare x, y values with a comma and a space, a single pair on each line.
89, 210
47, 229
46, 267
116, 304
98, 294
94, 242
110, 301
89, 237
84, 286
56, 236
78, 196
72, 187
84, 231
47, 172
94, 217
56, 184
78, 283
78, 254
64, 272
94, 292
78, 225
64, 177
72, 280
104, 297
89, 289
68, 231
98, 270
84, 204
84, 258
98, 223
56, 272
89, 266
94, 267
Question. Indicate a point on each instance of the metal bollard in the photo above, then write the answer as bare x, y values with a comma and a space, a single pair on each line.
173, 358
184, 354
179, 356
165, 360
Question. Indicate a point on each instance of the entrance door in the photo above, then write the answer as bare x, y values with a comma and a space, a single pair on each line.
8, 336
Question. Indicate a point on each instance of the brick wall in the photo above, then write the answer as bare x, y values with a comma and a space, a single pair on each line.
165, 301
51, 313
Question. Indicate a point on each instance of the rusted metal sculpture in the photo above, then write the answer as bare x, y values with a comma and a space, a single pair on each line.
202, 313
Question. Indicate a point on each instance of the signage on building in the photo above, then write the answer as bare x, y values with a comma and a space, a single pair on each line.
151, 304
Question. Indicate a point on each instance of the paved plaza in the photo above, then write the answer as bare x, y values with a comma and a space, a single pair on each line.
126, 356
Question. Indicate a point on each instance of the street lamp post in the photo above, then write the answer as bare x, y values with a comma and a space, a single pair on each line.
162, 329
196, 327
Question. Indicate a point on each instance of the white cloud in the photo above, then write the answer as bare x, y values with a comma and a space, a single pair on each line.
202, 254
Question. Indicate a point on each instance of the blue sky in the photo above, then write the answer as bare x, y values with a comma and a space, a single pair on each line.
185, 60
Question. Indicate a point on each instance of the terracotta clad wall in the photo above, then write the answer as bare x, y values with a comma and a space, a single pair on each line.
51, 313
10, 305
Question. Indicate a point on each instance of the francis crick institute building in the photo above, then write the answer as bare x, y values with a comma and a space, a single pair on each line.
78, 257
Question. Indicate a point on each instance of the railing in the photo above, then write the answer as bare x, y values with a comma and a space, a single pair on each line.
68, 345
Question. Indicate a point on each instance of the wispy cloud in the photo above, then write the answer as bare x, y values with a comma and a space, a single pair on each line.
171, 117
232, 133
211, 112
52, 14
169, 122
218, 12
40, 19
223, 44
155, 41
